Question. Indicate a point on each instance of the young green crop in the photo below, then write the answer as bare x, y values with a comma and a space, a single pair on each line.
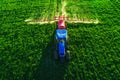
26, 50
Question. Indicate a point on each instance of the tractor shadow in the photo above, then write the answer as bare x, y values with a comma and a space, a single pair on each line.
49, 68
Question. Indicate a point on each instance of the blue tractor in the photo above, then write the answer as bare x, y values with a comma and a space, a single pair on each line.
61, 45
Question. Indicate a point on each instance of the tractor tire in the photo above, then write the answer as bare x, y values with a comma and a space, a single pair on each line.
55, 55
67, 55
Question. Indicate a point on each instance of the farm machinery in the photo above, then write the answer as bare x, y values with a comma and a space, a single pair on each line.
61, 42
61, 50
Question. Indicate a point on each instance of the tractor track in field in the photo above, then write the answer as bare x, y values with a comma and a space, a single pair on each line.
63, 10
57, 9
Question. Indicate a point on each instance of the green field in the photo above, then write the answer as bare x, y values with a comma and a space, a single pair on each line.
26, 50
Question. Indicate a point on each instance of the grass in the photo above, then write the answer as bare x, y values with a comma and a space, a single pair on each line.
26, 51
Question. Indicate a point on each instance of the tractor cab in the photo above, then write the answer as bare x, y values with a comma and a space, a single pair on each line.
61, 24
